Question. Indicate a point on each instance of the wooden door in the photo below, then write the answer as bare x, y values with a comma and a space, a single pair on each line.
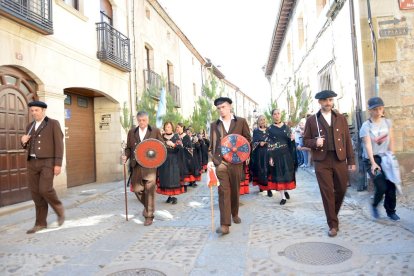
80, 140
13, 164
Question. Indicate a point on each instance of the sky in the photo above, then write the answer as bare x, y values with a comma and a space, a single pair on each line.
234, 34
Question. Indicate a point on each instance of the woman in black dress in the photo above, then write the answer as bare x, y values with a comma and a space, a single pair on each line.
259, 158
282, 157
169, 172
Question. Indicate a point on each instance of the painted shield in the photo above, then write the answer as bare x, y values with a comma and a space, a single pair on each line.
150, 153
235, 148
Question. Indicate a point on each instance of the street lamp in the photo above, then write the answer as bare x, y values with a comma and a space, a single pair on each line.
269, 79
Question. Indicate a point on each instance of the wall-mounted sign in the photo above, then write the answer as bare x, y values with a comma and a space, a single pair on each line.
105, 122
406, 4
104, 126
106, 118
393, 32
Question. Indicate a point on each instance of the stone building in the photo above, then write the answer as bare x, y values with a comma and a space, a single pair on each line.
86, 60
326, 44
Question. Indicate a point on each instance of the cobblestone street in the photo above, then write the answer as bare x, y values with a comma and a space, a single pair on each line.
272, 239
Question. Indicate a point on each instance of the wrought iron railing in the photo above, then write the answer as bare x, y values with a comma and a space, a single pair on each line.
113, 47
174, 91
153, 83
34, 14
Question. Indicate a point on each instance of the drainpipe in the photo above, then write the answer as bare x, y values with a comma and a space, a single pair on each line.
358, 111
374, 48
129, 74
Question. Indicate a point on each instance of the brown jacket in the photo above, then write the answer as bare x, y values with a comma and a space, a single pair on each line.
46, 141
237, 126
133, 140
342, 139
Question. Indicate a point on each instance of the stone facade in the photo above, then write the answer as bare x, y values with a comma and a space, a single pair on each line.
320, 48
65, 61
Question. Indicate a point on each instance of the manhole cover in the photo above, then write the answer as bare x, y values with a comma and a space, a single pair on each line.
138, 271
317, 253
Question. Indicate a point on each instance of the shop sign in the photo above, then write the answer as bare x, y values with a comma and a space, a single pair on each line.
406, 4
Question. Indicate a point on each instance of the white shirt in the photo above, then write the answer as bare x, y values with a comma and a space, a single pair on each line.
142, 133
328, 117
38, 124
227, 124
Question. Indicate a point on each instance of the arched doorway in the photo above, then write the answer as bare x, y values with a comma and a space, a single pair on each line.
16, 90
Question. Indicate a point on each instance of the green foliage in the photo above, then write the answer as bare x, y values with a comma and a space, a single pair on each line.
148, 104
172, 114
126, 118
204, 110
268, 112
299, 103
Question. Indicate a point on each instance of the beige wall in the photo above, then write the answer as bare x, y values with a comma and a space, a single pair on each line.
65, 59
303, 62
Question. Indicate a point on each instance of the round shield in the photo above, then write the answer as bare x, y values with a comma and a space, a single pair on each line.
150, 153
235, 148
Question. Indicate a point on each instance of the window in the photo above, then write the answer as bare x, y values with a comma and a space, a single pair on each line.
324, 77
149, 57
301, 33
73, 3
289, 53
147, 13
82, 101
106, 12
68, 100
170, 72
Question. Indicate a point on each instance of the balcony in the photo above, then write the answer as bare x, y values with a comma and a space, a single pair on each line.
34, 14
174, 91
153, 83
113, 47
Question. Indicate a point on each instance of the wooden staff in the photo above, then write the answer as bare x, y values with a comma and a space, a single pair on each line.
212, 208
125, 190
125, 184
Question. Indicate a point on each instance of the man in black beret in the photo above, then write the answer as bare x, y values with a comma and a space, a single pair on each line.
38, 104
44, 145
327, 135
221, 100
228, 174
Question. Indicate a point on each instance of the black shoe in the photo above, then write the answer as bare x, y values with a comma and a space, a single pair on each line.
169, 200
393, 216
194, 185
260, 190
283, 202
287, 195
174, 200
269, 193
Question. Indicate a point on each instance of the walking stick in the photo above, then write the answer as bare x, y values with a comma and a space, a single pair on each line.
125, 183
212, 208
125, 191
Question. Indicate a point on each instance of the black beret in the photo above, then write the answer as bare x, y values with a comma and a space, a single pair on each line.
221, 100
325, 94
38, 103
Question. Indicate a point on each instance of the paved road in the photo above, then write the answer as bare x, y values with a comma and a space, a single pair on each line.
271, 240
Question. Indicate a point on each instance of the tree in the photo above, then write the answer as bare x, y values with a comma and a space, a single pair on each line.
126, 119
268, 113
147, 103
172, 114
204, 111
298, 103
